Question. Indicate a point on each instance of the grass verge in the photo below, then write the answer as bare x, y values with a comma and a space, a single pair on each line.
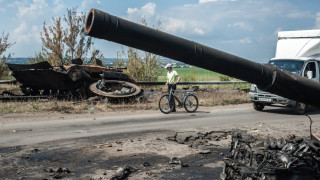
206, 98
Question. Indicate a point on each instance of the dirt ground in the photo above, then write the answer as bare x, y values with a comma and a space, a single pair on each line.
88, 158
100, 157
188, 154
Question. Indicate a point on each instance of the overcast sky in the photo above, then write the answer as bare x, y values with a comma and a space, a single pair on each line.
247, 28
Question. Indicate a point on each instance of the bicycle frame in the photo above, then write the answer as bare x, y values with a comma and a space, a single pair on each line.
185, 94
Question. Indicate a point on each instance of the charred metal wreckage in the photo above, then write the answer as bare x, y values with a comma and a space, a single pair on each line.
75, 81
290, 158
282, 159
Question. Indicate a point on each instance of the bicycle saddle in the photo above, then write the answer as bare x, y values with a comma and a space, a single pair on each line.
185, 88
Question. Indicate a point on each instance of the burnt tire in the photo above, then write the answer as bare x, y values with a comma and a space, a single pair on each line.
258, 106
301, 108
100, 92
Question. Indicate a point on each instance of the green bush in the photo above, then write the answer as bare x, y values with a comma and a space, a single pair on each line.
224, 78
191, 77
4, 45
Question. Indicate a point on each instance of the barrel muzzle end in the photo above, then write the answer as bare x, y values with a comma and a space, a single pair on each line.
89, 21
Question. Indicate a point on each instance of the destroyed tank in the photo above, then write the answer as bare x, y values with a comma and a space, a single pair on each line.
267, 77
74, 81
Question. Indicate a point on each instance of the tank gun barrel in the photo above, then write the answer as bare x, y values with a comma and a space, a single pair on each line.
267, 77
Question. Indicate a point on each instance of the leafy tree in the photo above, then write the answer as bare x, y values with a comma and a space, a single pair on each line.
4, 45
135, 65
96, 58
142, 68
52, 41
151, 64
62, 44
78, 45
119, 62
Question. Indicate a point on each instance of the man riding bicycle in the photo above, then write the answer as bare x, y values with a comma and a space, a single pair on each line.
173, 79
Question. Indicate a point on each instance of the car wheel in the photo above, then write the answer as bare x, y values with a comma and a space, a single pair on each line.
258, 106
301, 108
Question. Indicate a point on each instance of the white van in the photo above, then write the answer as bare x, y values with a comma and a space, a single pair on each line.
297, 52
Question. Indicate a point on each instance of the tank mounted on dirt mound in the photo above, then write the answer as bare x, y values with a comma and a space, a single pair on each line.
267, 77
74, 81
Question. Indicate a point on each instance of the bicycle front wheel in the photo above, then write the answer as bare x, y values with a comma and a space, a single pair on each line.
164, 104
191, 103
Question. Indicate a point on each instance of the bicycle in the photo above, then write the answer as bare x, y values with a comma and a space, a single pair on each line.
189, 101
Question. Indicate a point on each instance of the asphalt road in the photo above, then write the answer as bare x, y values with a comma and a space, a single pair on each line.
30, 129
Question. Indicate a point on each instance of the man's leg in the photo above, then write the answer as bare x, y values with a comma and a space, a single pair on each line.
173, 87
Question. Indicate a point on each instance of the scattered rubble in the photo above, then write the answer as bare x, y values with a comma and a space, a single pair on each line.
205, 152
123, 173
272, 158
174, 160
81, 131
146, 164
103, 145
34, 150
59, 173
200, 140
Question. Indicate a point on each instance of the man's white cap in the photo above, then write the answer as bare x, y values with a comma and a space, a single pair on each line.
168, 66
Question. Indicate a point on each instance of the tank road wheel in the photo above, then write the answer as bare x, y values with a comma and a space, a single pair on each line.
164, 104
115, 90
301, 108
258, 106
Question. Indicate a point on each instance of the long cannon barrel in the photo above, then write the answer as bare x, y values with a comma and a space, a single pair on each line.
267, 77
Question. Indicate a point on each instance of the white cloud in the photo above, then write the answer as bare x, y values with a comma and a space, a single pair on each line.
2, 9
199, 31
299, 14
183, 26
59, 5
241, 25
317, 26
173, 25
20, 29
88, 4
33, 10
147, 11
25, 34
246, 40
227, 18
206, 1
269, 38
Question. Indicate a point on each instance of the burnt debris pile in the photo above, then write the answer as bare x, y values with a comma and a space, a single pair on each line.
283, 158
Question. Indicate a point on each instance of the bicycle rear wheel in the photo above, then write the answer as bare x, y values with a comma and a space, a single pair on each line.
164, 104
191, 103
